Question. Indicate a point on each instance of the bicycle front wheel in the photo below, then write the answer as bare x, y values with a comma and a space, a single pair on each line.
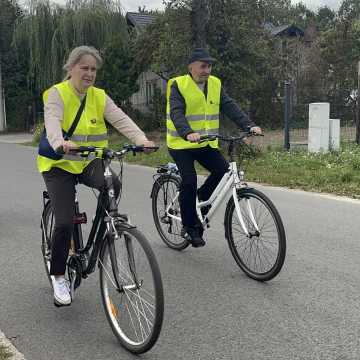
259, 252
166, 212
131, 290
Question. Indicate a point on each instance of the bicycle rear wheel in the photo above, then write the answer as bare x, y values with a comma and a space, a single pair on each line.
165, 204
261, 253
131, 290
47, 227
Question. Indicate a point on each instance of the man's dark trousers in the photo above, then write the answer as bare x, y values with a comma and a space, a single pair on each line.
212, 160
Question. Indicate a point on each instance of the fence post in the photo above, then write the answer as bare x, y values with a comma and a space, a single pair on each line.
287, 115
2, 105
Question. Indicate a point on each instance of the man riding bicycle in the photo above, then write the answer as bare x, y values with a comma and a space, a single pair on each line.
194, 102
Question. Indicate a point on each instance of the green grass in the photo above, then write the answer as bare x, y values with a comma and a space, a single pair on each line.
334, 172
4, 353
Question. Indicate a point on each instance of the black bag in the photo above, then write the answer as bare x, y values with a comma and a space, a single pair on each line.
45, 148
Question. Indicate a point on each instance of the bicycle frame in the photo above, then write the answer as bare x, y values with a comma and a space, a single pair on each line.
232, 181
106, 220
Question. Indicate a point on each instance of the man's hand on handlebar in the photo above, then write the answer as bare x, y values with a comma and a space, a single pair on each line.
256, 130
193, 137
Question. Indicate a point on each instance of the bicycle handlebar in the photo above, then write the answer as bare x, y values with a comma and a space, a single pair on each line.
228, 138
107, 153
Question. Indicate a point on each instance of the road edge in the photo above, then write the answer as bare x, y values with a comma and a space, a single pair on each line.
15, 353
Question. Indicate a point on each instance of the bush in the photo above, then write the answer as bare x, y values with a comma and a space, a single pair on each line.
38, 129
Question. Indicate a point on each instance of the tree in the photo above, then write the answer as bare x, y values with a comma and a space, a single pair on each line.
325, 18
13, 68
349, 10
199, 20
120, 70
45, 34
165, 45
49, 32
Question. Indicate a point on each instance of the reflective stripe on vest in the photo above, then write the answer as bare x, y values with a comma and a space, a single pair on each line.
201, 132
89, 138
90, 131
201, 113
201, 117
76, 157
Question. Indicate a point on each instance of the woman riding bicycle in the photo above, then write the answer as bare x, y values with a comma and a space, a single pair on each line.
76, 97
194, 102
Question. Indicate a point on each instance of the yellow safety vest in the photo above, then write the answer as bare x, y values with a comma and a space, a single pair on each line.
201, 113
90, 131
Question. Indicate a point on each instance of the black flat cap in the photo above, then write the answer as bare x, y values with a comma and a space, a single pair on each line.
201, 54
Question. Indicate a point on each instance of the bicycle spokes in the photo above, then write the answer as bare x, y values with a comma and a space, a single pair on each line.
129, 288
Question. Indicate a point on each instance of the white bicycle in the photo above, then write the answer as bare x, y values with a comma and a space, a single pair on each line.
253, 227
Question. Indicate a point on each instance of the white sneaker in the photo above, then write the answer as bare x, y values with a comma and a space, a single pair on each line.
61, 292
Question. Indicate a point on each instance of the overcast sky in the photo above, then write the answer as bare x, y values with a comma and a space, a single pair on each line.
132, 5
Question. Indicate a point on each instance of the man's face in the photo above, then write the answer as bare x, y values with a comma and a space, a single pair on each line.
200, 71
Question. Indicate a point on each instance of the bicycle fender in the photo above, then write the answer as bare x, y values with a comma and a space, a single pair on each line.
121, 226
239, 192
243, 189
159, 180
157, 183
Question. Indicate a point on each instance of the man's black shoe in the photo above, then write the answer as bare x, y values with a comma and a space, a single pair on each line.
205, 209
195, 237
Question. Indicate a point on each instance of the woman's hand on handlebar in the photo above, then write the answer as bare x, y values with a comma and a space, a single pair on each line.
193, 137
68, 145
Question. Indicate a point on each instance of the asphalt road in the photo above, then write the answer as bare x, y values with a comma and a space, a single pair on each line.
213, 311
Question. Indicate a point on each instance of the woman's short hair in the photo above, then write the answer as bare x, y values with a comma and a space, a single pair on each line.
77, 53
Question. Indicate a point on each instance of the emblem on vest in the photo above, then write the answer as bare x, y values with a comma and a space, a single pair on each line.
93, 121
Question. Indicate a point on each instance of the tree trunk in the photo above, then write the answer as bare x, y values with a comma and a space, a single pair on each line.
199, 19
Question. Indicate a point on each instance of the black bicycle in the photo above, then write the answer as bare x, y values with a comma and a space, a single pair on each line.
130, 280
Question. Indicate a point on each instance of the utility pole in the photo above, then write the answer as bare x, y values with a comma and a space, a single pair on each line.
2, 107
357, 115
287, 110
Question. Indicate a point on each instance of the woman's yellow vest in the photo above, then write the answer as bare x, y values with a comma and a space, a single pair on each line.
90, 131
201, 113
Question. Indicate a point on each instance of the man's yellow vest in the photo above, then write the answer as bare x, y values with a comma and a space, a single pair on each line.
90, 131
201, 113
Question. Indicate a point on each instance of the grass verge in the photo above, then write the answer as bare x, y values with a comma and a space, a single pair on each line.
4, 353
334, 172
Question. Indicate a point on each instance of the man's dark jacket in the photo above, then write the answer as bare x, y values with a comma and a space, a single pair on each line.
228, 107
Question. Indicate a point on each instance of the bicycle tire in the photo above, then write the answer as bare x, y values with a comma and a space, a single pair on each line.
47, 227
164, 189
135, 315
259, 243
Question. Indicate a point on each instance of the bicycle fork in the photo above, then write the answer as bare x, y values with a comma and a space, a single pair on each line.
240, 216
120, 286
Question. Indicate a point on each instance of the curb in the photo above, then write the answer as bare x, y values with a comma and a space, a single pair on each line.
15, 354
16, 138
